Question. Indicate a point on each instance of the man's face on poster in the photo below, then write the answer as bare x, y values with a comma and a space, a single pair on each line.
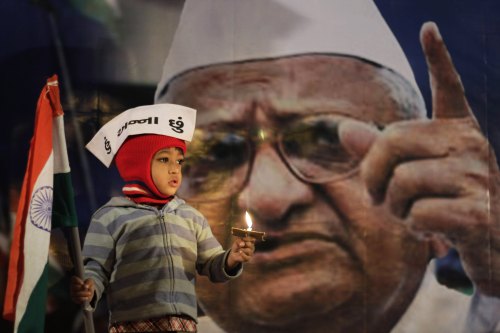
267, 142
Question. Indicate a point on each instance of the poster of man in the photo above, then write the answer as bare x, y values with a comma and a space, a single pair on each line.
316, 127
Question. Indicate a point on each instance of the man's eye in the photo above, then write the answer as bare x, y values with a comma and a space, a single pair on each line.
313, 147
180, 161
219, 151
216, 164
163, 160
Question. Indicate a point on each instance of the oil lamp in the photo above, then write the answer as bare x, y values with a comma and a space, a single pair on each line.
259, 235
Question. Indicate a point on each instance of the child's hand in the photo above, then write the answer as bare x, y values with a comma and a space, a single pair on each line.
241, 251
81, 291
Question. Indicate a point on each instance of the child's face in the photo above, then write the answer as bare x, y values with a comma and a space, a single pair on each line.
166, 170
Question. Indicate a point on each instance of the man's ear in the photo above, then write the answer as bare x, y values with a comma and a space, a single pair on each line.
439, 246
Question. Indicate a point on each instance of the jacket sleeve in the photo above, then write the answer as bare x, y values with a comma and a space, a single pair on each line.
98, 255
212, 258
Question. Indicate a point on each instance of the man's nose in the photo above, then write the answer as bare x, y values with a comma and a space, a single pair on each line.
272, 190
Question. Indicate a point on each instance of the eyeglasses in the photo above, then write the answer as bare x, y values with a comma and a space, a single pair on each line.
220, 160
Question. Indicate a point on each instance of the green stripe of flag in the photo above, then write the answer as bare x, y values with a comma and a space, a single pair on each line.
33, 320
63, 205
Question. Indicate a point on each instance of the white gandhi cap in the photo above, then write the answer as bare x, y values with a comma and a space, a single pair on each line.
165, 119
221, 31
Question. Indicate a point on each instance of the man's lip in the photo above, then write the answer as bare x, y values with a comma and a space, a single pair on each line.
274, 240
291, 245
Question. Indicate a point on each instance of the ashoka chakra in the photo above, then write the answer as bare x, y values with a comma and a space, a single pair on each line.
41, 208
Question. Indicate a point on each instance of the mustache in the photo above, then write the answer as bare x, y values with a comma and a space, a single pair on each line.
277, 234
273, 242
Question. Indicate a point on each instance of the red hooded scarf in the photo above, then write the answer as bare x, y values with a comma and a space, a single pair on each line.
133, 161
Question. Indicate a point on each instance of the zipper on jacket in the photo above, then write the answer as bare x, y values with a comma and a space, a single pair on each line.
168, 252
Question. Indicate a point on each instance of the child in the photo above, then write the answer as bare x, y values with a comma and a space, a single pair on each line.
145, 248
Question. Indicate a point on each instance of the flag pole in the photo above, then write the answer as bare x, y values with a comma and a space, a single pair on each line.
72, 106
74, 236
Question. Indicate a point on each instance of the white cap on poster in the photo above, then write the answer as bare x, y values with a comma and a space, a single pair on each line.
165, 119
221, 31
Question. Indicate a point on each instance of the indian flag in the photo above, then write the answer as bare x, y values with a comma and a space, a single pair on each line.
46, 201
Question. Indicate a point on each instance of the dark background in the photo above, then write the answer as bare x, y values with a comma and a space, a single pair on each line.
113, 64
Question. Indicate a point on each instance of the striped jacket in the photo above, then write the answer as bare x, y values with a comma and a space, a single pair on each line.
145, 259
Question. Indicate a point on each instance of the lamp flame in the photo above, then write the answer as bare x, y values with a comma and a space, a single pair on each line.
248, 220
